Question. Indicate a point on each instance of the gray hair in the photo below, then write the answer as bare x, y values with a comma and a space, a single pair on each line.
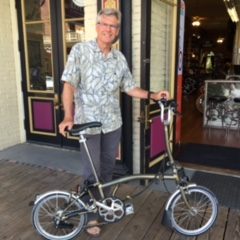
109, 12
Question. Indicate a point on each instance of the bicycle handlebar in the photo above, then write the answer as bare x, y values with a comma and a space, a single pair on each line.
168, 109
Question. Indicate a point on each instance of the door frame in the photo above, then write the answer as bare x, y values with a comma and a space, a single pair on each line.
146, 7
126, 101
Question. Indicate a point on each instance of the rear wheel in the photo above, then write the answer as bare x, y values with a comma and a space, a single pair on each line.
199, 216
54, 216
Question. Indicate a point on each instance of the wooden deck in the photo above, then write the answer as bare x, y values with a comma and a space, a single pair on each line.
19, 183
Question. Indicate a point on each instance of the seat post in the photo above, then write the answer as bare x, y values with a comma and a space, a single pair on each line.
83, 140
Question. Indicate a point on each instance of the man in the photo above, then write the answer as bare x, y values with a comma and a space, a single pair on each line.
92, 78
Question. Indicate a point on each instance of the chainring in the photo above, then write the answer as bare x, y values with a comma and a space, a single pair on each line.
115, 211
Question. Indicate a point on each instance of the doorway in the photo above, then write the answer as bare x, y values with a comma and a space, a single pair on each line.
48, 29
208, 51
157, 73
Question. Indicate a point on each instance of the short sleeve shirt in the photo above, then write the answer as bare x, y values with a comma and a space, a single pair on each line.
97, 80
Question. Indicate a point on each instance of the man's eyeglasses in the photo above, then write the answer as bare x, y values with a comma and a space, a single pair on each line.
105, 25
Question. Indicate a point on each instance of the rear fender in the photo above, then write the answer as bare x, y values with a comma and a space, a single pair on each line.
41, 196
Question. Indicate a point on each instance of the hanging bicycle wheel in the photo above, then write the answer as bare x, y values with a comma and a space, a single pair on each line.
196, 217
55, 217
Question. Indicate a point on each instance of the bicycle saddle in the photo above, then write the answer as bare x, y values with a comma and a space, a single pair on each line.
77, 128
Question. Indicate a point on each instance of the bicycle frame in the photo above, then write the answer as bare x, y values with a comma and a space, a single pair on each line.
190, 210
166, 115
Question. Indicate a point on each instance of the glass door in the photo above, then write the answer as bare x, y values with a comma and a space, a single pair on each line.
40, 83
48, 30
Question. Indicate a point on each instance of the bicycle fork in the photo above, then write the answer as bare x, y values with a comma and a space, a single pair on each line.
183, 194
166, 220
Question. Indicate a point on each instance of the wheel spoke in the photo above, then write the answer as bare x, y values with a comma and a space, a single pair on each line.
197, 215
49, 220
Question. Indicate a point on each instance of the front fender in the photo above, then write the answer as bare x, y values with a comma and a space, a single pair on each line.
169, 201
166, 219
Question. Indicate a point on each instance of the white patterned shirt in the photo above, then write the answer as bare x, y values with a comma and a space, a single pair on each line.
97, 79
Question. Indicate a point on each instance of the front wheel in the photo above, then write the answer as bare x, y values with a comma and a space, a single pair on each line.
57, 216
197, 215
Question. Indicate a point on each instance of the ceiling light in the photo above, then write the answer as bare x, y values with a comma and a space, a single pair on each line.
220, 40
196, 23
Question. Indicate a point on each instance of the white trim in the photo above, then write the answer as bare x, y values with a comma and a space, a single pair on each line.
17, 64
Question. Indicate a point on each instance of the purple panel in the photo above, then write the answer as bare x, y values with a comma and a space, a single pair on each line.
157, 142
43, 117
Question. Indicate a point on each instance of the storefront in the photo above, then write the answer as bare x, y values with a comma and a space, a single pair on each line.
47, 29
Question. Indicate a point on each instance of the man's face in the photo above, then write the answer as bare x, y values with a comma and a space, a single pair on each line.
107, 29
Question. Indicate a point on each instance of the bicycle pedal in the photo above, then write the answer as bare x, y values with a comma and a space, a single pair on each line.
129, 209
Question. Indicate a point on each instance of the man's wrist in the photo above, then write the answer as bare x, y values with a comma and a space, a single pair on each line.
68, 119
150, 95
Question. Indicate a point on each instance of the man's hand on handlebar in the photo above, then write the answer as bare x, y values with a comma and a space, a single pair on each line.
160, 95
66, 124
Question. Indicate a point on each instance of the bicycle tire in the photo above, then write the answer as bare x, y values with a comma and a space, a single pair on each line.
201, 217
45, 216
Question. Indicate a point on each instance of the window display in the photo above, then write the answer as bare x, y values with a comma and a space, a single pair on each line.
222, 104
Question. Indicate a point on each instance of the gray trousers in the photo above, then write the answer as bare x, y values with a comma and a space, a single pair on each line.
103, 150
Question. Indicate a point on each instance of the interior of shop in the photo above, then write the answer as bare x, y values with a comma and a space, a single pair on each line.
211, 114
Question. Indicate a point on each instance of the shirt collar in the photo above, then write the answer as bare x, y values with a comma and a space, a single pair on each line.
97, 49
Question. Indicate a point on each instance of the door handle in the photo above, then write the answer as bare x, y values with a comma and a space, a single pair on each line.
56, 101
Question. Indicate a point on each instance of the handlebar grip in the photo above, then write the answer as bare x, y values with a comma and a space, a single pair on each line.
164, 101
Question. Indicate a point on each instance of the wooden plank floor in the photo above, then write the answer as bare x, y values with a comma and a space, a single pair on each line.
19, 183
193, 131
